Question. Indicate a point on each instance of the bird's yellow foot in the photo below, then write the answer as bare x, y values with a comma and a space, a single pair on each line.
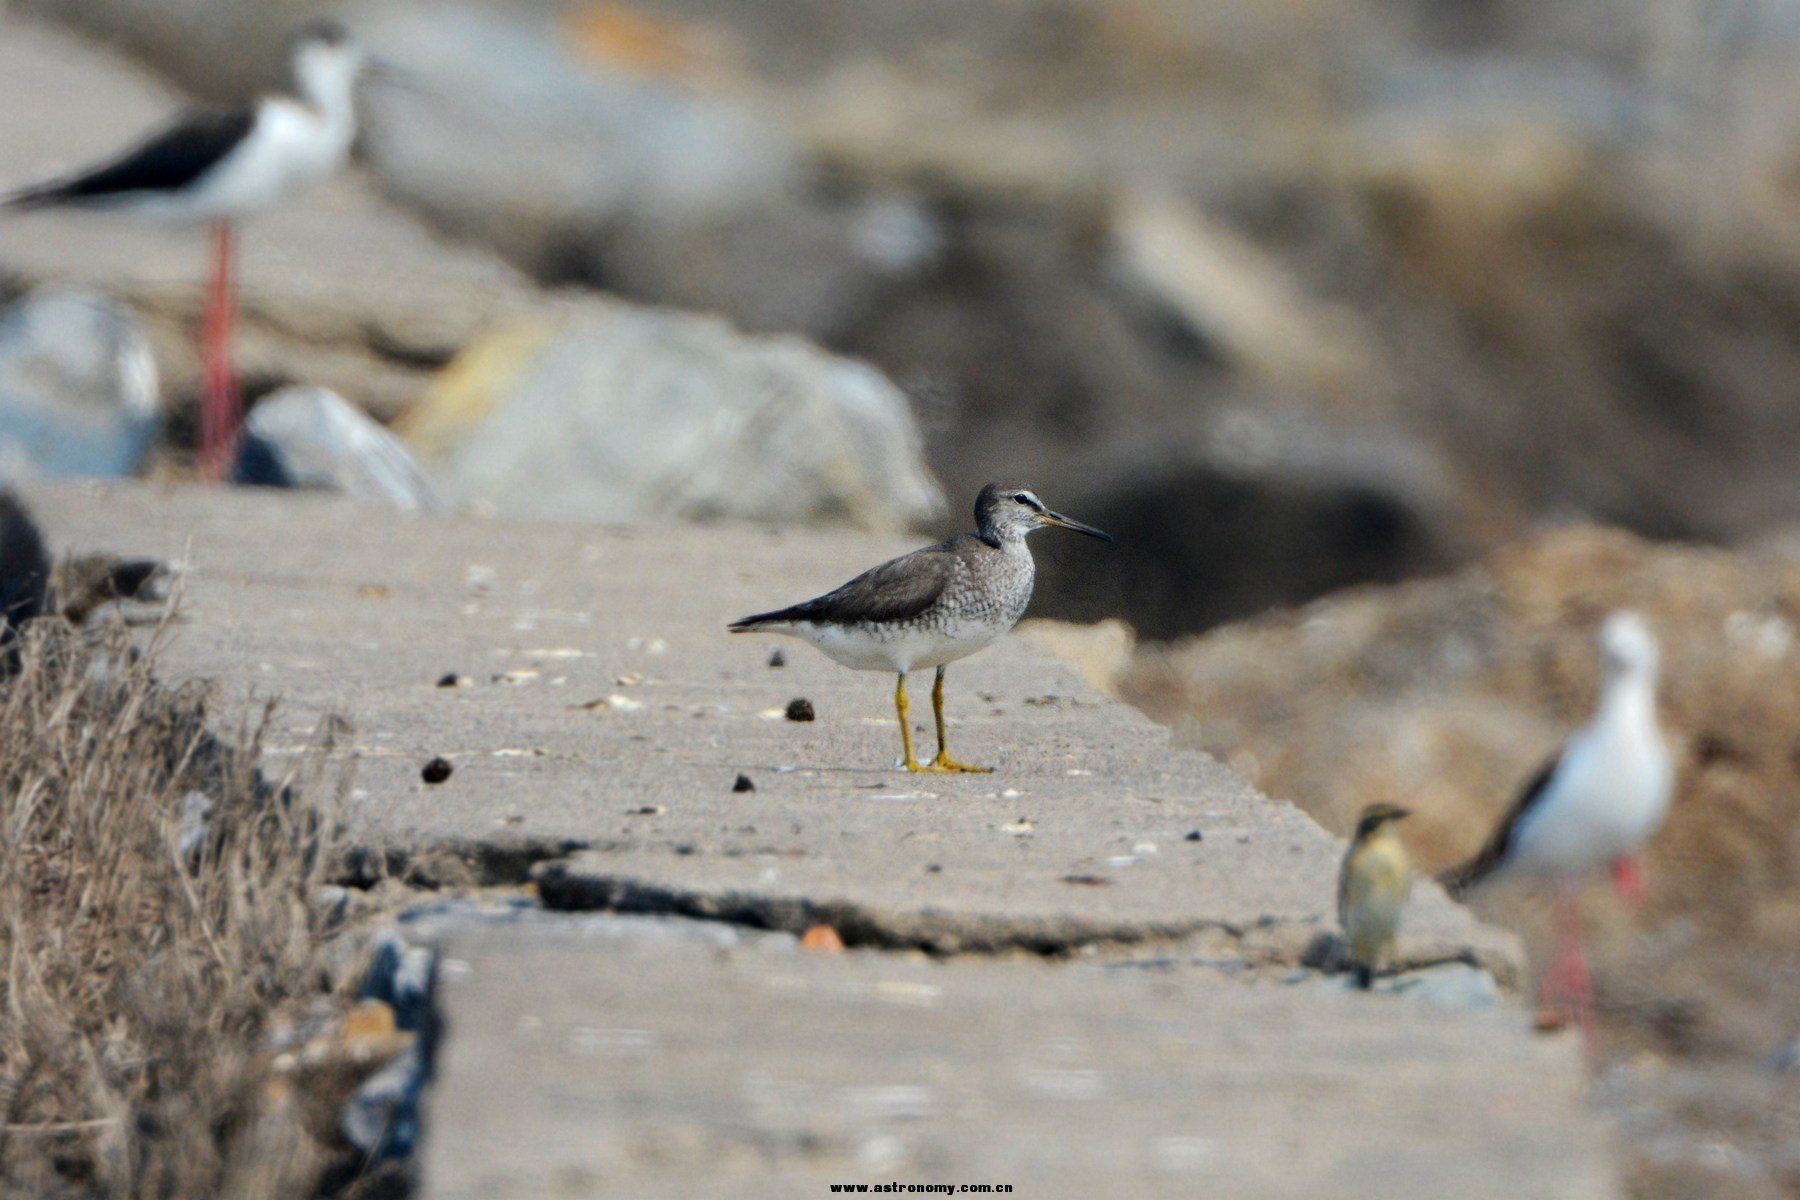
943, 764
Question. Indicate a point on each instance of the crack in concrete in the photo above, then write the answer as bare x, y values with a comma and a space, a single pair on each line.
934, 931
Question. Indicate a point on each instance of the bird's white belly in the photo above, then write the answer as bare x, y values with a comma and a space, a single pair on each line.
1604, 807
891, 650
289, 149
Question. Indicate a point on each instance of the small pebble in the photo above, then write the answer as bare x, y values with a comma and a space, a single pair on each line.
1087, 880
1193, 835
447, 680
648, 810
800, 710
777, 659
743, 784
436, 771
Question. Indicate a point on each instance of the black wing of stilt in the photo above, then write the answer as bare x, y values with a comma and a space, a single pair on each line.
168, 162
1458, 880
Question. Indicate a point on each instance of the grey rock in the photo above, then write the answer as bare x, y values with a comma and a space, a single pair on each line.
382, 1117
624, 414
310, 437
513, 133
78, 387
400, 976
1452, 985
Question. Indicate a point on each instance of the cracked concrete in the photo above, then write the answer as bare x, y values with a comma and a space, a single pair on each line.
587, 1057
1080, 847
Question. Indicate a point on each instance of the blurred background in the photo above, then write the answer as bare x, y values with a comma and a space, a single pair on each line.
1289, 295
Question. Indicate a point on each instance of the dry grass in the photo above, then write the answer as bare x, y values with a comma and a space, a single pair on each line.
138, 977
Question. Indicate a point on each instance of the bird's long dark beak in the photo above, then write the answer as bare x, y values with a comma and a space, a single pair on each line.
1063, 522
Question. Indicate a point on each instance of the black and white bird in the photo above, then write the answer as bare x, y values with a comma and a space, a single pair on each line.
930, 607
217, 167
1592, 807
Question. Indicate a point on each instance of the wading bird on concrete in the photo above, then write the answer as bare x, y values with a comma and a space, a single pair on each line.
931, 607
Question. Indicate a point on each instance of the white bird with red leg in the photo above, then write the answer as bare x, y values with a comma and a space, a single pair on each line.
216, 167
1591, 808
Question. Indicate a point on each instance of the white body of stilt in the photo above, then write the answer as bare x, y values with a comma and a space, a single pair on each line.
290, 144
1610, 789
291, 147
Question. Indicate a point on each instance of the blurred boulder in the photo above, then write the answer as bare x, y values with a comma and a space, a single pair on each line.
511, 123
618, 414
78, 389
1215, 287
310, 437
591, 146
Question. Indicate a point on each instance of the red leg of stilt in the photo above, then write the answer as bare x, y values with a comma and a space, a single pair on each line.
220, 410
1628, 878
1567, 986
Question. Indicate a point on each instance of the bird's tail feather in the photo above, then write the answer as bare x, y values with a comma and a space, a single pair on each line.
781, 616
25, 199
1463, 878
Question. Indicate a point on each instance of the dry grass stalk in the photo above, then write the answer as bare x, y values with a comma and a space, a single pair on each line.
137, 974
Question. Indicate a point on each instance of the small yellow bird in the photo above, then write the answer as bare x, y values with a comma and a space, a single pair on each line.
1373, 886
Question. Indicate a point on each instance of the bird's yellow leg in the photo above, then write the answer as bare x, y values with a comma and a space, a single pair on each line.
943, 761
902, 708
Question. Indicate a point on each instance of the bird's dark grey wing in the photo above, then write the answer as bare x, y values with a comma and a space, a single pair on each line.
896, 590
168, 161
1459, 879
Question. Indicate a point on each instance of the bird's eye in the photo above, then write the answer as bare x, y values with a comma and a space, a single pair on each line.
1022, 498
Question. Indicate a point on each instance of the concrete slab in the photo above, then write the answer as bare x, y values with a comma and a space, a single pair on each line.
1081, 835
1161, 1040
592, 1058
